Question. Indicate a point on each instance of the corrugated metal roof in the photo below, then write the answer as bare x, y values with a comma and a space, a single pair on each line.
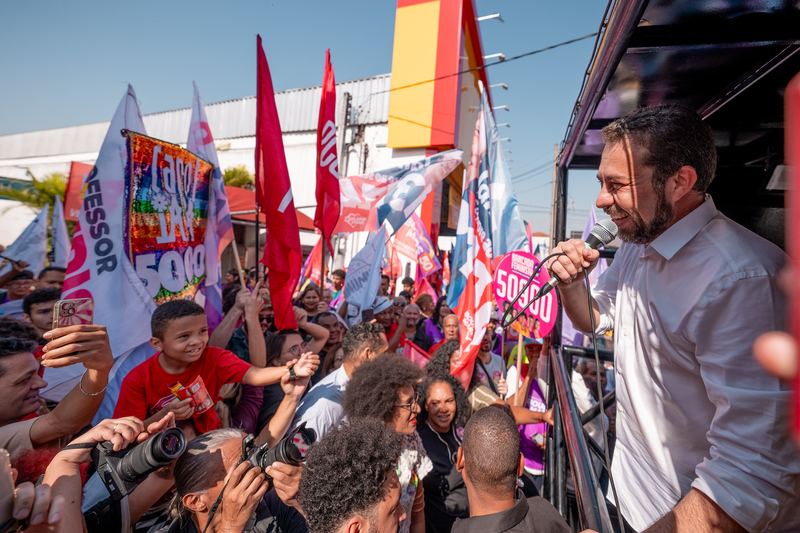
298, 110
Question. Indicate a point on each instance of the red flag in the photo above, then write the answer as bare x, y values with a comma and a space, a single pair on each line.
327, 213
422, 285
282, 253
415, 354
475, 305
74, 195
312, 268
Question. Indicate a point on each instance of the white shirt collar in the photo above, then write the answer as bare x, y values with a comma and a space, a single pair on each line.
679, 234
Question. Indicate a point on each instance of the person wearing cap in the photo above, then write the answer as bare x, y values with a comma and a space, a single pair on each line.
384, 314
258, 316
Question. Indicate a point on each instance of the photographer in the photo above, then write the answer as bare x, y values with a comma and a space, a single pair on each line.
208, 465
64, 477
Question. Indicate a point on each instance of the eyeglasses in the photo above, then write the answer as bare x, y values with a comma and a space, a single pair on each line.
398, 304
297, 349
410, 406
267, 319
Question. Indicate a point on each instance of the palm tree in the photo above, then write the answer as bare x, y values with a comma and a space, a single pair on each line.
41, 192
239, 177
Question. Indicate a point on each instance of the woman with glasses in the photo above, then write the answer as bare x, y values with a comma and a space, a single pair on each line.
282, 347
384, 389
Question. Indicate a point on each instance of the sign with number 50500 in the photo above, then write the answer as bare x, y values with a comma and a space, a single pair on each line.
510, 277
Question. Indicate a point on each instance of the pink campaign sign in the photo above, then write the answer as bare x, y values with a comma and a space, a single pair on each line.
510, 276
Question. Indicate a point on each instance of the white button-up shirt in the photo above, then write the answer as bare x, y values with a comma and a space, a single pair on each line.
695, 410
321, 409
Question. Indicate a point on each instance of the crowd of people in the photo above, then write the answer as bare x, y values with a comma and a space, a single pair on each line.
387, 428
369, 430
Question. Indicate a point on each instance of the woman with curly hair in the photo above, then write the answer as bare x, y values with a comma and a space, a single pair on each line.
444, 360
384, 389
444, 408
433, 325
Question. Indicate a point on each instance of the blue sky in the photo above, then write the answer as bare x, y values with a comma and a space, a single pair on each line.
66, 63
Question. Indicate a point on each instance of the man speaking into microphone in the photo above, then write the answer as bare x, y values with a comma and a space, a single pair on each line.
702, 441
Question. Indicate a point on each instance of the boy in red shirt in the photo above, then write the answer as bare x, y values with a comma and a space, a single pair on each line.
180, 331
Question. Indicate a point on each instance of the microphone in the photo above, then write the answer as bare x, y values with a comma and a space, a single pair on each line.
602, 234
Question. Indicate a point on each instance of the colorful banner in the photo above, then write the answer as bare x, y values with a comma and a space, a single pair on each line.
167, 205
510, 276
413, 241
78, 172
392, 195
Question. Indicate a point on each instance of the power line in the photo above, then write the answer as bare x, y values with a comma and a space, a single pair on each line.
508, 60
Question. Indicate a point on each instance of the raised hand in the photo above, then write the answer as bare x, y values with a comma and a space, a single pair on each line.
306, 365
85, 343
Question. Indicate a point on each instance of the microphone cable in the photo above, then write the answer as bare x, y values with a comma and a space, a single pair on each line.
503, 324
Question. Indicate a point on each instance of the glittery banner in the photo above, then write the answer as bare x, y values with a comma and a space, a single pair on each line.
166, 200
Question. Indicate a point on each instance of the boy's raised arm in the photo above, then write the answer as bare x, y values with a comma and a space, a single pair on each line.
304, 367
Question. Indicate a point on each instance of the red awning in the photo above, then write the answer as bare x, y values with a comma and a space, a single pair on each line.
243, 202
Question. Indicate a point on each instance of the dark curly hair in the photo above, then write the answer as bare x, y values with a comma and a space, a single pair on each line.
462, 404
40, 296
11, 327
360, 336
345, 472
373, 389
440, 362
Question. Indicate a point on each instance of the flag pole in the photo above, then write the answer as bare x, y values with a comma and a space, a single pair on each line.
258, 228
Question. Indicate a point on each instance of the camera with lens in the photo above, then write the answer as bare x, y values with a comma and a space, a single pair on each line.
122, 471
291, 450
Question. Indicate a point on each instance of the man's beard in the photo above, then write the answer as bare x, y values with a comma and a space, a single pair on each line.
642, 232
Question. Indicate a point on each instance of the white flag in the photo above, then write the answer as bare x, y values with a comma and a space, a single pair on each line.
364, 273
219, 231
100, 269
31, 245
59, 236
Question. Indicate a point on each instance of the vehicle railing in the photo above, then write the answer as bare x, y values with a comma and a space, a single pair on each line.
568, 428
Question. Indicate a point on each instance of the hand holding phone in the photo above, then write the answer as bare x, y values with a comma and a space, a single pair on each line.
87, 344
73, 312
367, 315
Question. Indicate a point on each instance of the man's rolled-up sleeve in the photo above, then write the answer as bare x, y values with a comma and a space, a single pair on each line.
752, 468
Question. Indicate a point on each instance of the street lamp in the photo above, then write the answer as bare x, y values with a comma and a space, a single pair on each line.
506, 124
503, 85
505, 139
501, 56
489, 17
501, 107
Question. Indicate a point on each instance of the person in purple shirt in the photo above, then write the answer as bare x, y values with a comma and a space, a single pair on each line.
433, 325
